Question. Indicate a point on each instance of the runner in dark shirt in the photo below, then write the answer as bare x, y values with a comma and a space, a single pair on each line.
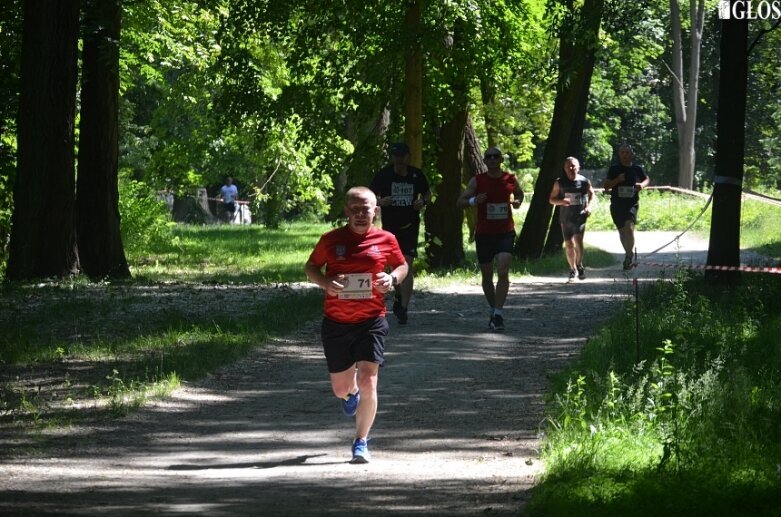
573, 194
402, 191
624, 181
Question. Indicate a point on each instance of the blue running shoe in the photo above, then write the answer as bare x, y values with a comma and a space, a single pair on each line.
350, 404
360, 452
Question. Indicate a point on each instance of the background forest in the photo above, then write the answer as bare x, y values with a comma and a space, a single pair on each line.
298, 99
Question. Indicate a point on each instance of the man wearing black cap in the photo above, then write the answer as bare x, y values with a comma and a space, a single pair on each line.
402, 191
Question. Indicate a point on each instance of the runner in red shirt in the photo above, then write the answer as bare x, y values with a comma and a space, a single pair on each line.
356, 258
491, 193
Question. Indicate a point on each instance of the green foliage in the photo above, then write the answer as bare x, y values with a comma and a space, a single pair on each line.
145, 221
231, 254
10, 50
704, 402
136, 341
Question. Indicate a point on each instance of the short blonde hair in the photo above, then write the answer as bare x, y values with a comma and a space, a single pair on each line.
360, 192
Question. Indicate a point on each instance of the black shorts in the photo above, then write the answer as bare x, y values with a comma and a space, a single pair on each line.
229, 207
345, 344
489, 245
622, 214
573, 225
407, 237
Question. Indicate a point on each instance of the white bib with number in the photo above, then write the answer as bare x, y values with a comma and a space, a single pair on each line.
626, 191
402, 194
494, 211
575, 198
357, 286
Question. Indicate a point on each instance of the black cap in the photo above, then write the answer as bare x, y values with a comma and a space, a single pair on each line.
399, 149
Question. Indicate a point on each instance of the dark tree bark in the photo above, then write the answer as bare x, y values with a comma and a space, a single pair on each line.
43, 237
97, 196
724, 246
367, 137
488, 95
413, 83
555, 239
472, 164
444, 220
578, 44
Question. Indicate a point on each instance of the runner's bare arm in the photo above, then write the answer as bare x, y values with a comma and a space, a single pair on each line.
330, 285
469, 192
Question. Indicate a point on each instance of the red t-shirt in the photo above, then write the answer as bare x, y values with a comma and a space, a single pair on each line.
344, 252
495, 215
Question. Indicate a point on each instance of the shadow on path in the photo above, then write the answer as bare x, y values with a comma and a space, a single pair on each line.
456, 433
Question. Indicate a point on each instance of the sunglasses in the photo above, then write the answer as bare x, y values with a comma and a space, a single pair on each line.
492, 156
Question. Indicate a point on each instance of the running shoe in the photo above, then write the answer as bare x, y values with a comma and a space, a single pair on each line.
360, 451
571, 276
498, 322
627, 263
350, 404
581, 273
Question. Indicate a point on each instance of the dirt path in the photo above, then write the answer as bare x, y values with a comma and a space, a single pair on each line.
456, 434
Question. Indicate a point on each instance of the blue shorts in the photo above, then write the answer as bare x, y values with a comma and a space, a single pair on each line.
345, 344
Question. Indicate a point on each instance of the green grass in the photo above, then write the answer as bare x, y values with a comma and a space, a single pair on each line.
693, 428
190, 308
232, 254
674, 212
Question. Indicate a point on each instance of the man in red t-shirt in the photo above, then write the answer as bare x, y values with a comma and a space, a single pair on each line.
356, 258
494, 193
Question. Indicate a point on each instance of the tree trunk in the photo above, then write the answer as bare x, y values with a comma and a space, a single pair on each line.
472, 164
413, 84
43, 237
97, 196
685, 101
366, 137
555, 239
576, 65
488, 95
444, 220
724, 246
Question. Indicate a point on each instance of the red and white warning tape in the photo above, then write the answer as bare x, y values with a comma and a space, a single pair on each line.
742, 267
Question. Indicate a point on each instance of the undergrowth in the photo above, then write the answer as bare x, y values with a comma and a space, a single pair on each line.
693, 427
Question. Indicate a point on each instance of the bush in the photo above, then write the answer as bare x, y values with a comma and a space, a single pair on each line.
145, 219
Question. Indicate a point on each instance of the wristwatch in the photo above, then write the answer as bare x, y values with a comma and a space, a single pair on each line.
394, 280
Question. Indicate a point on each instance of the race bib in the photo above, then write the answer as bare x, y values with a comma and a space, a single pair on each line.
402, 194
357, 286
574, 198
494, 211
626, 191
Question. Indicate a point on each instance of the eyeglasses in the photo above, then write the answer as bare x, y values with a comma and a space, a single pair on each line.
492, 155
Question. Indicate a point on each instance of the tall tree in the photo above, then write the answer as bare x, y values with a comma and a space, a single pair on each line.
579, 38
413, 83
99, 239
724, 246
444, 220
43, 237
685, 99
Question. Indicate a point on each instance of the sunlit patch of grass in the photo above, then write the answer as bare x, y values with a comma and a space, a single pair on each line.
692, 429
233, 254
